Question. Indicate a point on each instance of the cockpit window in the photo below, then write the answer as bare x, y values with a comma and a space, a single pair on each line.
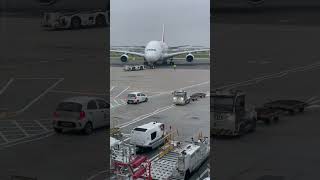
151, 50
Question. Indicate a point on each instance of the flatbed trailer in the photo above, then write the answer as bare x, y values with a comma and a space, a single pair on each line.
272, 111
195, 96
134, 67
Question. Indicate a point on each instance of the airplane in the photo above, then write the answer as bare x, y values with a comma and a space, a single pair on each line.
157, 51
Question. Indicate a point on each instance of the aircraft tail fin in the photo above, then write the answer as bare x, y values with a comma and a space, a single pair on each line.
163, 31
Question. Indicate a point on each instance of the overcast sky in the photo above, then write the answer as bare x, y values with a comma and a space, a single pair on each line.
135, 22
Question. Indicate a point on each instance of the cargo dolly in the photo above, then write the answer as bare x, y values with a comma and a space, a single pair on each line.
272, 111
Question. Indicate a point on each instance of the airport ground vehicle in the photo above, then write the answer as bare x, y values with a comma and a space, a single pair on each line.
134, 67
75, 19
176, 160
181, 97
148, 136
136, 97
272, 111
231, 116
81, 113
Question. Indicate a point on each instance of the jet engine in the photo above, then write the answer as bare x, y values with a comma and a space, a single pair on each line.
255, 2
124, 58
189, 57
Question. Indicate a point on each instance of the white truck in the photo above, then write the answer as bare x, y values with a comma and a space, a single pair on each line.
75, 19
181, 97
231, 116
148, 136
182, 161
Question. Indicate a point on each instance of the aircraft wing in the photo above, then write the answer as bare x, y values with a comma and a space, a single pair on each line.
185, 52
128, 52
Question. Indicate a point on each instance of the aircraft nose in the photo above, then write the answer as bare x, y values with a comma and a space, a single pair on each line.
150, 57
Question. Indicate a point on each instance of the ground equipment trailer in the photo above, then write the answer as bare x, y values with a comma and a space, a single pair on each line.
272, 111
134, 67
75, 19
184, 159
231, 116
181, 97
177, 160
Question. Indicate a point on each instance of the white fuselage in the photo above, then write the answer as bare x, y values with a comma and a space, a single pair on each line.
155, 51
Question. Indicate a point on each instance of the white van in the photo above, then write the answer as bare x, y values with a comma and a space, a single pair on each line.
149, 135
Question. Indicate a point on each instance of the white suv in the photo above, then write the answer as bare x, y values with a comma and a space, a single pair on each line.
136, 97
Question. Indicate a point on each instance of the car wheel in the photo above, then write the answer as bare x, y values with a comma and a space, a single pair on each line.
101, 21
187, 175
58, 130
137, 102
75, 23
146, 100
88, 129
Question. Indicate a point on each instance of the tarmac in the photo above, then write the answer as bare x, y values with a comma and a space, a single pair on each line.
39, 68
158, 84
274, 56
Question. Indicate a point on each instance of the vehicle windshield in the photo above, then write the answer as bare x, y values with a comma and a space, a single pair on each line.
179, 94
69, 106
224, 104
140, 129
131, 95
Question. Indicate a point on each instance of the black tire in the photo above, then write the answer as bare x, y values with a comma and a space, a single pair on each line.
301, 109
57, 130
146, 100
101, 21
75, 22
137, 102
242, 130
88, 128
187, 175
267, 121
141, 68
291, 112
253, 125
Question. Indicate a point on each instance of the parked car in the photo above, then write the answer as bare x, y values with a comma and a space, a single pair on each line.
136, 97
82, 114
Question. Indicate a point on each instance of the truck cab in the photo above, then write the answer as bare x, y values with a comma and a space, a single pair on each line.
231, 117
180, 97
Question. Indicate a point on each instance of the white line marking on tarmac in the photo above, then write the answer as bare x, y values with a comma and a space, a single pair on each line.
74, 92
123, 102
26, 78
121, 92
31, 140
40, 96
20, 128
4, 137
207, 170
142, 117
7, 85
118, 104
95, 175
112, 88
42, 126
